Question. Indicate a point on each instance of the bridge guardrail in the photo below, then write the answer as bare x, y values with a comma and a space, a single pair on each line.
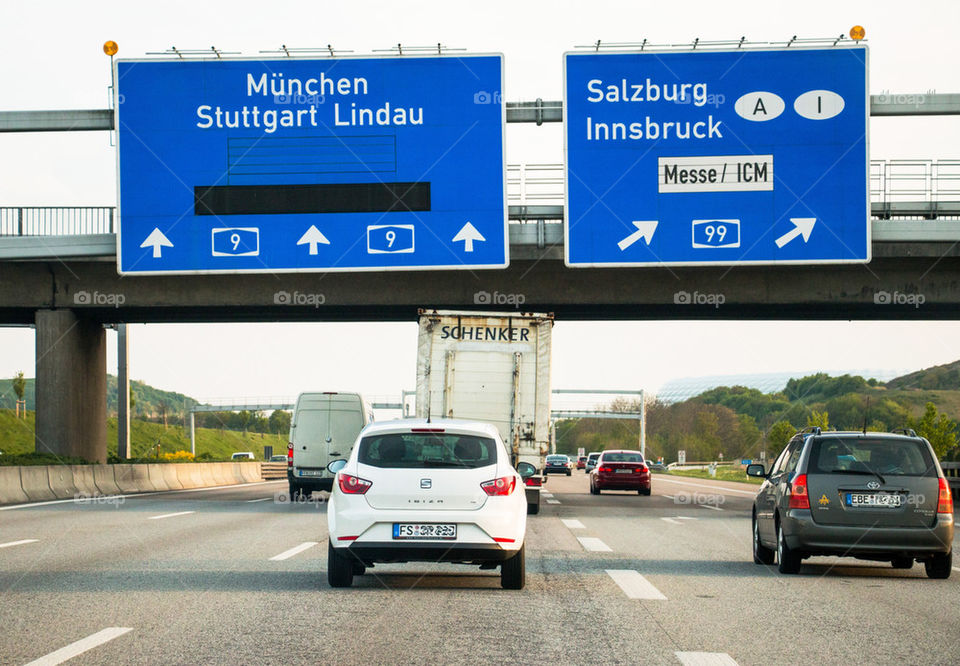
272, 471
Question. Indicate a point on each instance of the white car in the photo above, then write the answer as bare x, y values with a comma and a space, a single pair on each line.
428, 491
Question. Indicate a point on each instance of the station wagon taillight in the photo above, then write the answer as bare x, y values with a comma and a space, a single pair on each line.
945, 501
290, 454
353, 485
799, 499
499, 487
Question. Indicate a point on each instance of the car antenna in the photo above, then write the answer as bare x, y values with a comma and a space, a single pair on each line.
429, 400
866, 412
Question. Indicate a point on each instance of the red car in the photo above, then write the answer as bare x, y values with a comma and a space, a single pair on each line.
620, 470
581, 462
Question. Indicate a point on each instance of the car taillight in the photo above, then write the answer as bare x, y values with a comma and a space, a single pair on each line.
799, 499
353, 485
502, 486
290, 454
642, 469
606, 469
532, 481
945, 502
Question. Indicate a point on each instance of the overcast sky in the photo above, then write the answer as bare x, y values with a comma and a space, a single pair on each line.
52, 58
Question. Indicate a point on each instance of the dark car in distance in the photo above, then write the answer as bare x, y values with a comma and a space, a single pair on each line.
869, 495
558, 463
581, 462
620, 470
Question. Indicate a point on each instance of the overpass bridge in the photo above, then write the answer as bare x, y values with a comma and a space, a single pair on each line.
58, 274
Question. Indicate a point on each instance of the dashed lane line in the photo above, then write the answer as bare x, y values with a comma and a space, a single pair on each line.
710, 506
17, 543
634, 585
553, 501
751, 493
705, 659
287, 554
170, 515
594, 544
81, 646
259, 499
572, 523
672, 521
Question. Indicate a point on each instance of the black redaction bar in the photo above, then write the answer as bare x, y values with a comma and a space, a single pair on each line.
326, 198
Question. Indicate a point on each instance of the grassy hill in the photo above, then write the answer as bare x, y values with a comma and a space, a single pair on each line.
943, 377
149, 401
17, 437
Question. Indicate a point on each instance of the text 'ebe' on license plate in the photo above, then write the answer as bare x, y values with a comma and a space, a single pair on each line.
870, 499
424, 531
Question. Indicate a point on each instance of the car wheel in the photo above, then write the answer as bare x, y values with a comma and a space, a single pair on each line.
646, 491
513, 572
761, 554
339, 568
902, 562
788, 561
533, 508
569, 472
939, 565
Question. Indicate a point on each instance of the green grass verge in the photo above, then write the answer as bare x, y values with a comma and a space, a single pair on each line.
146, 438
723, 474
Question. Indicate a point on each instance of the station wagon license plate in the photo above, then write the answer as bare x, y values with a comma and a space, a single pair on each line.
424, 531
884, 500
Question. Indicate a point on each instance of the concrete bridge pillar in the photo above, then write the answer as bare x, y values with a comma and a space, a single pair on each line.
71, 385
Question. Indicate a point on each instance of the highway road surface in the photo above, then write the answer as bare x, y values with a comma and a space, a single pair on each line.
232, 576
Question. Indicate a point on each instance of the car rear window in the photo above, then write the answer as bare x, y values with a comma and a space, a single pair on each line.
895, 457
556, 459
623, 457
413, 450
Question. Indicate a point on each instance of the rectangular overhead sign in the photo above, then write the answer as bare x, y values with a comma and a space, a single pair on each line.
717, 157
290, 165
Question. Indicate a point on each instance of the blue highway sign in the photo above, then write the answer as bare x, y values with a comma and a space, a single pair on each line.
717, 157
290, 165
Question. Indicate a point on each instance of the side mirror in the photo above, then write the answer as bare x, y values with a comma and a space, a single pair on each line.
336, 465
526, 470
758, 471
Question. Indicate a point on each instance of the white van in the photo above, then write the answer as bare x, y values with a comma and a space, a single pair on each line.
324, 428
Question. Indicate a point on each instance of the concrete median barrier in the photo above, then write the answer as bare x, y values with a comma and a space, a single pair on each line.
206, 475
223, 473
170, 477
35, 481
237, 470
60, 480
11, 492
104, 478
129, 478
83, 480
190, 475
155, 474
251, 472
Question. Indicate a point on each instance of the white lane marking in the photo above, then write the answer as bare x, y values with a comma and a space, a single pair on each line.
17, 543
956, 568
671, 521
705, 659
158, 492
553, 501
594, 544
683, 518
634, 585
710, 506
670, 497
287, 554
547, 494
752, 493
170, 515
572, 523
261, 499
81, 646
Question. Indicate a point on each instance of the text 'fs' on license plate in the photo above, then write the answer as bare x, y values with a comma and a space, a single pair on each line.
424, 531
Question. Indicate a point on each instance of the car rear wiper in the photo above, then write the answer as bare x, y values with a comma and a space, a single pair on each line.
443, 463
859, 471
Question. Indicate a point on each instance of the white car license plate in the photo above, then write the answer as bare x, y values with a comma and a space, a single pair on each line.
311, 472
424, 531
624, 471
869, 499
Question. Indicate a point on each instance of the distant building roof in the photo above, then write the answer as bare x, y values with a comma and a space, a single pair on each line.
678, 390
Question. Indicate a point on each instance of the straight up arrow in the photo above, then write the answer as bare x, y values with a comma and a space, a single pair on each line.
468, 234
311, 238
156, 240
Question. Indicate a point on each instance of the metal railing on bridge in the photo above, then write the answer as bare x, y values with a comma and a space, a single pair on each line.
56, 220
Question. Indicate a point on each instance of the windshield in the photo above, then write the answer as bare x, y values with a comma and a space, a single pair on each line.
413, 450
889, 457
556, 459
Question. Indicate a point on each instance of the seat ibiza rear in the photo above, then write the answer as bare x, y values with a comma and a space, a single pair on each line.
873, 496
418, 491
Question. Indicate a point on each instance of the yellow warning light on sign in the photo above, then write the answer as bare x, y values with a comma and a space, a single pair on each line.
110, 47
857, 32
